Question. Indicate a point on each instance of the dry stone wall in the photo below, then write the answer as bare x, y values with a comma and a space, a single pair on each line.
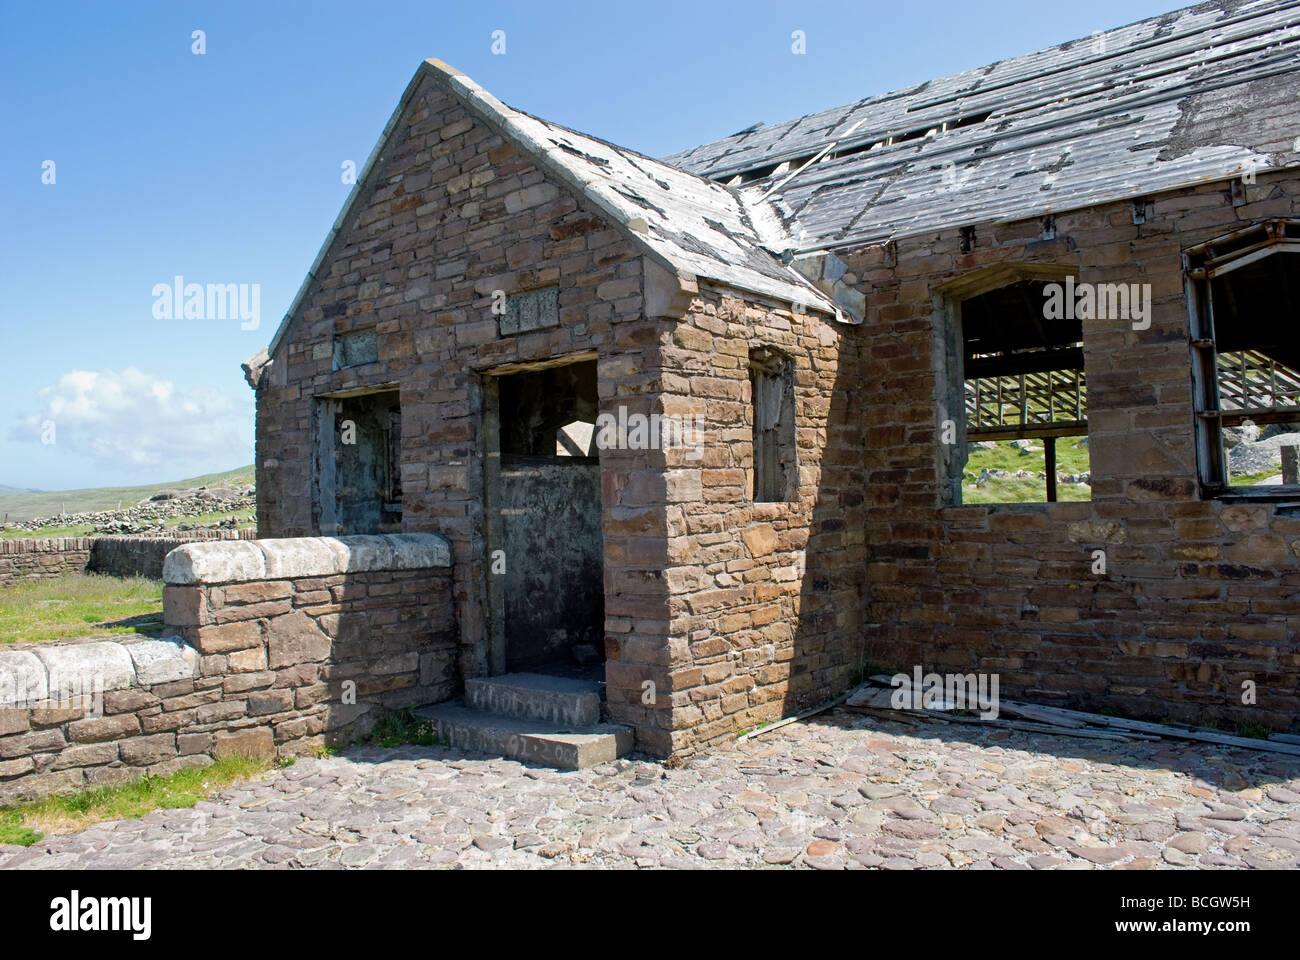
22, 558
143, 556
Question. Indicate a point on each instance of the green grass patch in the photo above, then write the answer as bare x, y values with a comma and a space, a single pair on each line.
245, 519
1069, 459
400, 727
1247, 479
1255, 731
80, 605
25, 823
77, 530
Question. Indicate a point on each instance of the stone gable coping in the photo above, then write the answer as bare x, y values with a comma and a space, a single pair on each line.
240, 561
59, 673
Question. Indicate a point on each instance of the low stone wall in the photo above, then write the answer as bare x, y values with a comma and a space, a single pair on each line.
36, 558
22, 559
277, 647
143, 556
92, 713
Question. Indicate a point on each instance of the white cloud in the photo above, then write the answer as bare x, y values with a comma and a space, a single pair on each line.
134, 418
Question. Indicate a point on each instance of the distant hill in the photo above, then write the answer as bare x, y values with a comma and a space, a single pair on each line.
28, 505
5, 491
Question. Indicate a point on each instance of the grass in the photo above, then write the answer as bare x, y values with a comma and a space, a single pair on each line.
1246, 479
29, 506
1069, 459
245, 520
80, 605
401, 727
25, 823
76, 530
1255, 731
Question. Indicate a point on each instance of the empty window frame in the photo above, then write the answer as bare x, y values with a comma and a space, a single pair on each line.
776, 461
1025, 398
357, 470
550, 413
1243, 304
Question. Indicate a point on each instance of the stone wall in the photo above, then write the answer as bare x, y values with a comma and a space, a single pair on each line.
24, 558
1199, 595
143, 556
94, 712
764, 599
277, 647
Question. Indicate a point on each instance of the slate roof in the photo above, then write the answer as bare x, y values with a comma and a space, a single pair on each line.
1196, 95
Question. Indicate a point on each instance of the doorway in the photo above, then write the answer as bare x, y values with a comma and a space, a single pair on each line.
545, 558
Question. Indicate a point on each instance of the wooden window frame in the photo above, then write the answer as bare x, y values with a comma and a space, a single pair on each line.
1201, 265
775, 450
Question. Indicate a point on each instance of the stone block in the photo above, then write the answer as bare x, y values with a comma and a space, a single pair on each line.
252, 742
79, 669
23, 678
294, 638
224, 561
102, 729
247, 661
226, 637
163, 661
145, 751
26, 744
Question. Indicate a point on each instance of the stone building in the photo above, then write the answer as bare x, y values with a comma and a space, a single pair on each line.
699, 427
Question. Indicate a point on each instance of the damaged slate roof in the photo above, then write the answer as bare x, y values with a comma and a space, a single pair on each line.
691, 223
1201, 94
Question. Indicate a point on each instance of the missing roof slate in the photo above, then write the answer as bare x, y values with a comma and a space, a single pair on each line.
1120, 104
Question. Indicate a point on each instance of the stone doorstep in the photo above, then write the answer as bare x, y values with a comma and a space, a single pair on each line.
563, 701
534, 741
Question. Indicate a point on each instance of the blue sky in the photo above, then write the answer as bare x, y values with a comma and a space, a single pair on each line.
225, 167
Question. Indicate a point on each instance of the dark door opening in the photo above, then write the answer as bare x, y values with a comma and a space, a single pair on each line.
546, 552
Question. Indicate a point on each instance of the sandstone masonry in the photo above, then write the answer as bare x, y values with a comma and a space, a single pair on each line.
276, 647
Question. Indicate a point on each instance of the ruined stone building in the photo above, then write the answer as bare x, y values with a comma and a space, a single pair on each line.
827, 315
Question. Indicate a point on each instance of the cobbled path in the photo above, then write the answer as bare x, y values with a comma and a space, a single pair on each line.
837, 791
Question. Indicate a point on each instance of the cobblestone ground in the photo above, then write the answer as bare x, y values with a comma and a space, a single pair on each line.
838, 791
